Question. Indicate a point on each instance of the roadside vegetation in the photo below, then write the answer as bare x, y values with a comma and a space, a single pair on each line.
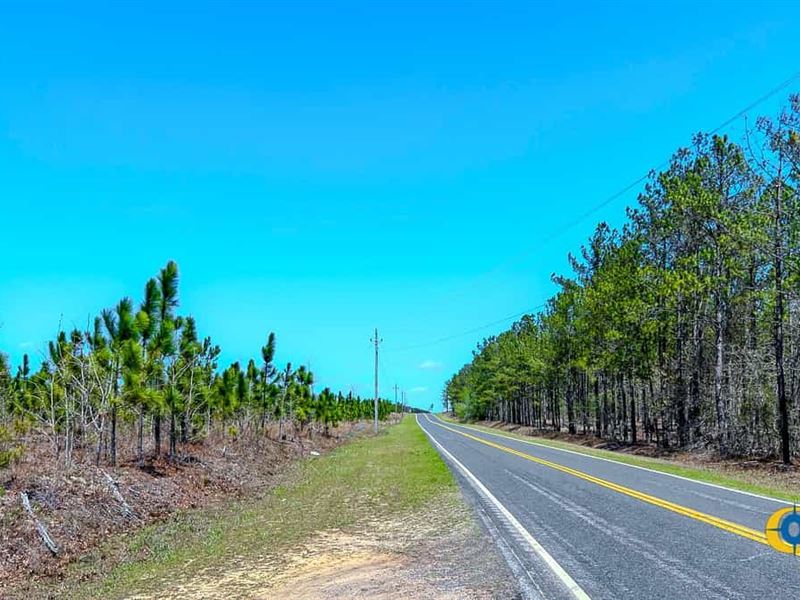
371, 514
144, 371
680, 330
132, 418
735, 474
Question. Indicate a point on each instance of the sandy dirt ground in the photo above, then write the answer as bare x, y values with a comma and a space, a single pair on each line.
80, 511
413, 557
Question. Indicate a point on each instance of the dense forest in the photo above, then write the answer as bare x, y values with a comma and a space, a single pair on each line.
143, 373
682, 328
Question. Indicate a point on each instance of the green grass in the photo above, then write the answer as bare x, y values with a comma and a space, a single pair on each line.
371, 477
755, 482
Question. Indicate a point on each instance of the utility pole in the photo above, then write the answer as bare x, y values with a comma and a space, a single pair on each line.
377, 341
395, 396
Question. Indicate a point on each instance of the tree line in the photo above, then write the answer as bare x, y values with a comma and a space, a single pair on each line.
145, 370
681, 328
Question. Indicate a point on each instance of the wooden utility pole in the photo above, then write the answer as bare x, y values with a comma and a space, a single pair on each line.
377, 342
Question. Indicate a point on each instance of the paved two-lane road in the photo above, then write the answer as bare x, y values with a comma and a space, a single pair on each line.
576, 526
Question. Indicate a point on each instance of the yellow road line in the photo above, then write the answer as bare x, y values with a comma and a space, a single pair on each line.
729, 526
582, 451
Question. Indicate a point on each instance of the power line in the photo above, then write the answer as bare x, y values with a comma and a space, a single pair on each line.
596, 208
473, 330
779, 88
616, 195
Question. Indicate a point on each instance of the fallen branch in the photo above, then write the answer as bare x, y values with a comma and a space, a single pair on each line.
127, 511
40, 528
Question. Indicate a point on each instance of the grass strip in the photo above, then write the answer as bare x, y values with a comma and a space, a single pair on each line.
369, 478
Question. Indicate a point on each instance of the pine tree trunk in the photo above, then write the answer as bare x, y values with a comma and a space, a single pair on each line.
623, 401
680, 394
157, 435
173, 435
598, 425
633, 412
185, 427
697, 366
571, 403
140, 442
722, 425
112, 442
783, 407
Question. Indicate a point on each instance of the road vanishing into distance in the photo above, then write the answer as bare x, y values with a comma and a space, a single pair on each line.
575, 526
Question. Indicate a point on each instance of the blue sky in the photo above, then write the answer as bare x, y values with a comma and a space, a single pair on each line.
320, 169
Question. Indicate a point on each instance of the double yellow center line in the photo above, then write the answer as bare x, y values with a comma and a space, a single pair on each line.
729, 526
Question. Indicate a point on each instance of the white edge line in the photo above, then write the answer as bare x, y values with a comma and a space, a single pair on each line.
557, 569
618, 462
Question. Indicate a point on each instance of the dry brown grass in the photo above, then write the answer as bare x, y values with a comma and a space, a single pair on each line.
79, 510
379, 517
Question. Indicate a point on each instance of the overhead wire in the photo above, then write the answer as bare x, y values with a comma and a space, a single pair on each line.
596, 208
473, 330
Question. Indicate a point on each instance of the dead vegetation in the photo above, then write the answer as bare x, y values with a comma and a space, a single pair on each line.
81, 506
381, 517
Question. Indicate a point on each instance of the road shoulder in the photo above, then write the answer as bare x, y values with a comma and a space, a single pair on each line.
378, 518
776, 484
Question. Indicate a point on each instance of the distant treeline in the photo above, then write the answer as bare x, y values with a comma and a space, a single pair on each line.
144, 369
683, 327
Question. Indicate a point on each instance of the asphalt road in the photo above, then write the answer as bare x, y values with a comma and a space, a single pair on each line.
575, 526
